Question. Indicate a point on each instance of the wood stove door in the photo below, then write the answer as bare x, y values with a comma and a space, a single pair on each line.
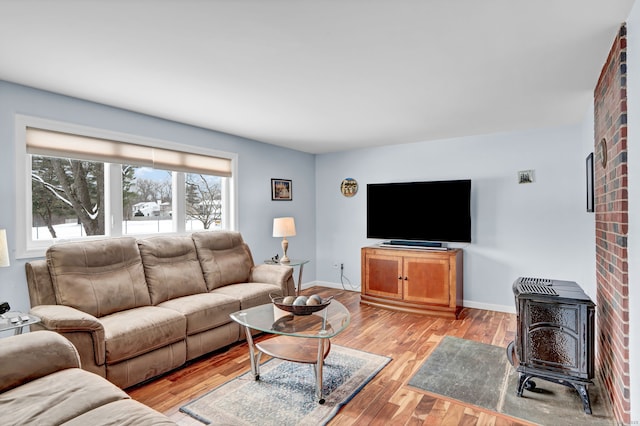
554, 338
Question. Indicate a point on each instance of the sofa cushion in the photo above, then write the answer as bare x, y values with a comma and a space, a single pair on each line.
126, 412
137, 331
57, 398
171, 267
98, 277
224, 257
21, 357
39, 281
250, 294
204, 311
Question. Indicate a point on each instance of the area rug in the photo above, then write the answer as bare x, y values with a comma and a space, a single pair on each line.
285, 393
480, 374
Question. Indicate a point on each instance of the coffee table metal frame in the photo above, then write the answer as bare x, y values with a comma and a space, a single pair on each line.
321, 326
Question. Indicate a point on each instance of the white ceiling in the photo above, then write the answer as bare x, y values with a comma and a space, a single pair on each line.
320, 75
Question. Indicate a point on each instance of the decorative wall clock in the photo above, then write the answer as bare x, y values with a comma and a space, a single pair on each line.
602, 152
349, 187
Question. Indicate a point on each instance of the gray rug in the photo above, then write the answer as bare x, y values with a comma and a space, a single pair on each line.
285, 393
480, 374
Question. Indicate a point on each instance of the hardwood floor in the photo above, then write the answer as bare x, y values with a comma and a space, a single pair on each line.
386, 400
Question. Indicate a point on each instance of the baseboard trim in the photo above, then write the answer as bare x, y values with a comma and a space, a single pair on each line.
489, 307
330, 285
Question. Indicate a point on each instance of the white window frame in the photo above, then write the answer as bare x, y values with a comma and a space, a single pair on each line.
27, 248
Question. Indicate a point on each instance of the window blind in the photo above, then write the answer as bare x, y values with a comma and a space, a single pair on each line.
59, 144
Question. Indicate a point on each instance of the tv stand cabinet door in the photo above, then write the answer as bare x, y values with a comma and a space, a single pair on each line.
426, 280
383, 275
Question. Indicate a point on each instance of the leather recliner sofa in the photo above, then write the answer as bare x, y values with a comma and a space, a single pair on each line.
41, 383
137, 308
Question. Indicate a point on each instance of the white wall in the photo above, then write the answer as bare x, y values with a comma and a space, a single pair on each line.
539, 230
257, 164
633, 158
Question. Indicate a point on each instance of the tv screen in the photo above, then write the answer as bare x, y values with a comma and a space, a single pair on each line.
426, 211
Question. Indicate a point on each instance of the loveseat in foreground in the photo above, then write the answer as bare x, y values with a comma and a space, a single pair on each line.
137, 308
41, 383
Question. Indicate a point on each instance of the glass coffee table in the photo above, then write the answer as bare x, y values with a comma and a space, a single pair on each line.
298, 338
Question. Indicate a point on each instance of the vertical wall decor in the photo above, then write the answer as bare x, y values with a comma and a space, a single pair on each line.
590, 192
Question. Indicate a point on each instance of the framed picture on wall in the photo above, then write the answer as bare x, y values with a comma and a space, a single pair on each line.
590, 190
281, 190
526, 176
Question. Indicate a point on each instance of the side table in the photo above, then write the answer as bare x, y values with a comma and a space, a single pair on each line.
16, 321
293, 262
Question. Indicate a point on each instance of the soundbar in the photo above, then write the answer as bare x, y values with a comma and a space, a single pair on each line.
413, 243
425, 245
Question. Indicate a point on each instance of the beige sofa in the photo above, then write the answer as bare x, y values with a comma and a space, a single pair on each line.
41, 384
137, 308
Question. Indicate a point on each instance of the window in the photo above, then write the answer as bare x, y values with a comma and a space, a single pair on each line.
147, 200
67, 196
203, 201
87, 183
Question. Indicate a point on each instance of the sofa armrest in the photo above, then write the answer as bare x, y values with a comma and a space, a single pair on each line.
29, 356
279, 275
65, 319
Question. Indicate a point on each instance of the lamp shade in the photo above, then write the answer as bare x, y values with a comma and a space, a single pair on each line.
284, 227
4, 248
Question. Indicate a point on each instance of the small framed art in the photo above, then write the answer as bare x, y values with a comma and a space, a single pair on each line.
281, 190
526, 176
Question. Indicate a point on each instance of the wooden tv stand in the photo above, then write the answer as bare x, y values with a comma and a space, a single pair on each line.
412, 280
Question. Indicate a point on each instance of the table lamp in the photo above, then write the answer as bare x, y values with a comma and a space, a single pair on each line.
284, 227
4, 249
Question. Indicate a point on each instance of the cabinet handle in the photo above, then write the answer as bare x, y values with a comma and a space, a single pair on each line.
406, 278
400, 278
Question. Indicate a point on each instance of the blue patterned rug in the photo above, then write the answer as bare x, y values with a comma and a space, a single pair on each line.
285, 393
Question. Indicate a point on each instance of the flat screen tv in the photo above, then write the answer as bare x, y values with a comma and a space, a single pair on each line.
437, 211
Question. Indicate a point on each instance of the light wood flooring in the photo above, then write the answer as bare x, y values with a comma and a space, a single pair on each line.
407, 338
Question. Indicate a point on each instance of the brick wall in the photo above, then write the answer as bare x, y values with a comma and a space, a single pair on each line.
611, 206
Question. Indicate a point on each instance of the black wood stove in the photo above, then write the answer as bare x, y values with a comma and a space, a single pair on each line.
554, 336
